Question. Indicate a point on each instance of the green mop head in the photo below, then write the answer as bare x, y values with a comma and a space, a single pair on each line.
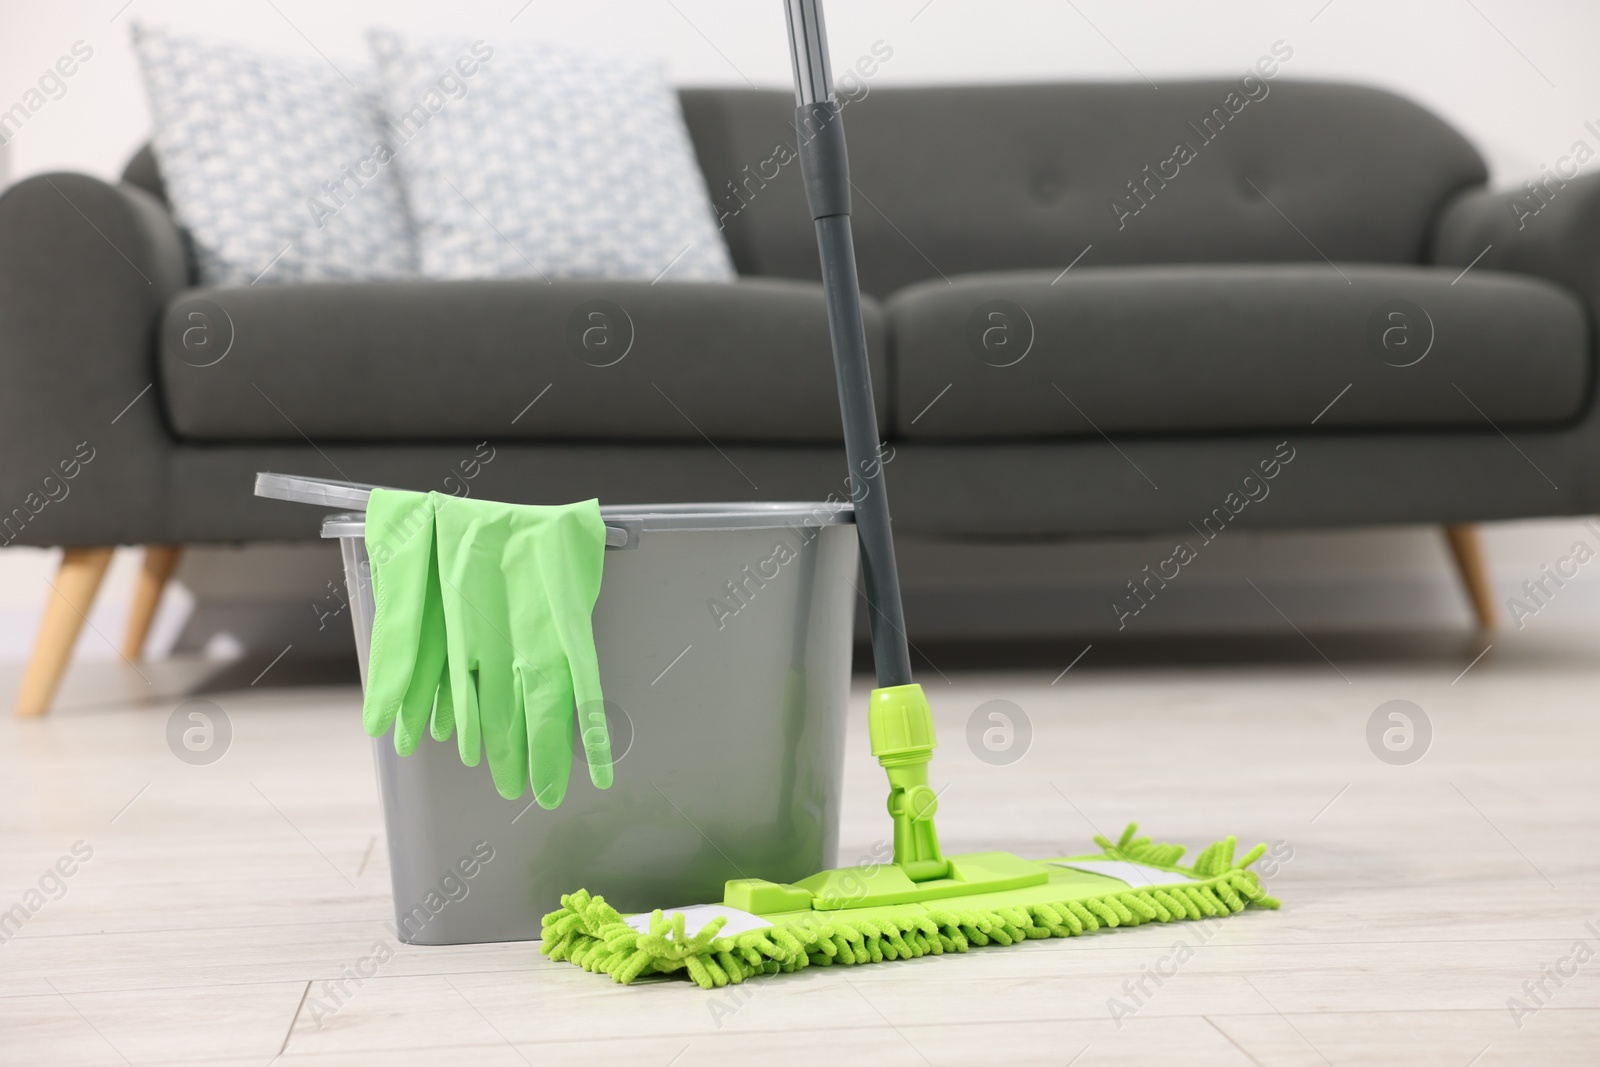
923, 903
1071, 900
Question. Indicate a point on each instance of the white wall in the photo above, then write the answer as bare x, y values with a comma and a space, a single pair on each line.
1517, 77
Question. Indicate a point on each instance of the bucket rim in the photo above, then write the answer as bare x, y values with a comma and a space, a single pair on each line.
678, 517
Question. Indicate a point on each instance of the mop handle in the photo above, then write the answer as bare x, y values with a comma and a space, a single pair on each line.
826, 171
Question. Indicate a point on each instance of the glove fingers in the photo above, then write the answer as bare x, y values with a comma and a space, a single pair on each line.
378, 714
464, 702
399, 542
572, 584
596, 738
430, 671
505, 733
444, 710
412, 721
546, 699
421, 694
591, 705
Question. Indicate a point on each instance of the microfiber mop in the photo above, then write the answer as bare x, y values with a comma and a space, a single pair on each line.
923, 902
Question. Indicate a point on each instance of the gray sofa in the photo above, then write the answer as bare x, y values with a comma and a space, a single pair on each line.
1295, 276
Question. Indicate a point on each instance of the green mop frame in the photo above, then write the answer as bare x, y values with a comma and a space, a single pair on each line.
590, 933
923, 902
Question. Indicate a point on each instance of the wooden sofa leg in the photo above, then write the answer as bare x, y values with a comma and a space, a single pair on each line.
1467, 549
159, 563
77, 581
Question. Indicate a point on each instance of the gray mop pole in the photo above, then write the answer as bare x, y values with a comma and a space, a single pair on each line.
826, 170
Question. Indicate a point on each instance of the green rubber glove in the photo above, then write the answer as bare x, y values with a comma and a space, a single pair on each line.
518, 586
406, 669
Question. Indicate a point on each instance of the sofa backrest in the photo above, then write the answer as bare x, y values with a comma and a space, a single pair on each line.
957, 179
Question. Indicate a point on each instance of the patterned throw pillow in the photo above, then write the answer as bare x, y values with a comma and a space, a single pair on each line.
278, 168
536, 160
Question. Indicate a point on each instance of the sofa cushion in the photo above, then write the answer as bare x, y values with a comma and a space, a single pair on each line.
596, 360
1224, 349
964, 178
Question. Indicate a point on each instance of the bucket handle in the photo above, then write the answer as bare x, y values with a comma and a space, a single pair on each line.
352, 496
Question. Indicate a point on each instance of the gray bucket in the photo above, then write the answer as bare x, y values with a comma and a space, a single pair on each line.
724, 637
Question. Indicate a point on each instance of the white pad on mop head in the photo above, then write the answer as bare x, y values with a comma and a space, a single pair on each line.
1135, 874
696, 916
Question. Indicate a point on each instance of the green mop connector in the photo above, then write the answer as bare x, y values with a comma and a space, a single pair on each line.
901, 727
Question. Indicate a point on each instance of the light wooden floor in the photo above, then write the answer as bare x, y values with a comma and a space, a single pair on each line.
219, 900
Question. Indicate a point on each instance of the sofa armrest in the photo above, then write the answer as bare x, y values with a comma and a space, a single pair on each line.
85, 270
1554, 235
